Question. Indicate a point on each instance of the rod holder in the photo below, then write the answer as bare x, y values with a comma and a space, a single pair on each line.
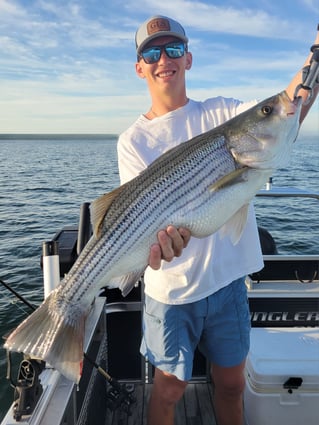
51, 266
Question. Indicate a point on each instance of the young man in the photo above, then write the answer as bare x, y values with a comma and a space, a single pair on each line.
199, 298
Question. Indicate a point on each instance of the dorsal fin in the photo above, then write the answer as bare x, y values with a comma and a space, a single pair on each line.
99, 208
228, 179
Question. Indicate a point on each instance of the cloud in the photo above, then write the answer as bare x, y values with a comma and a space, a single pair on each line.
312, 5
32, 108
10, 9
63, 58
243, 20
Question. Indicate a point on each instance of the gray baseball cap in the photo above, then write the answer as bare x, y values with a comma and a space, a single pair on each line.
158, 26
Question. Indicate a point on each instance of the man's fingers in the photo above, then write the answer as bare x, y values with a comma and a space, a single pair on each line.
185, 234
177, 240
155, 257
166, 243
171, 243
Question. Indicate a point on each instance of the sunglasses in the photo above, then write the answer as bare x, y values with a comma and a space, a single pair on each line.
173, 50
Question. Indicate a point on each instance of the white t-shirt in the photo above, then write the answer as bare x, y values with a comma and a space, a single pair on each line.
207, 264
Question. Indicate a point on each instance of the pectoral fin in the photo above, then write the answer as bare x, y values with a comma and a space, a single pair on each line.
99, 208
234, 227
229, 179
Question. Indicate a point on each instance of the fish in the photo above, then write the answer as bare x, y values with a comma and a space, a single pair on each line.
204, 184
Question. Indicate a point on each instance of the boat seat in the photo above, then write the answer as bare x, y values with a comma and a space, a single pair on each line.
301, 268
267, 242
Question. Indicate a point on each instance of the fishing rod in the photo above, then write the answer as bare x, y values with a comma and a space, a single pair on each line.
120, 395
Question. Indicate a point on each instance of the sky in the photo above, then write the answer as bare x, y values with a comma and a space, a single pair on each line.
69, 66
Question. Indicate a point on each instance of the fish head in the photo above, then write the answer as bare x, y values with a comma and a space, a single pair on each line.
262, 136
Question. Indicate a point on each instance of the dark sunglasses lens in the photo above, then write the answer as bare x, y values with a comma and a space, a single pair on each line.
175, 51
151, 55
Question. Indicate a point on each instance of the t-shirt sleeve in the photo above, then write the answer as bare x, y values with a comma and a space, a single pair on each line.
221, 109
130, 163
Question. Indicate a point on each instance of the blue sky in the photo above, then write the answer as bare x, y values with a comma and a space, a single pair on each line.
68, 66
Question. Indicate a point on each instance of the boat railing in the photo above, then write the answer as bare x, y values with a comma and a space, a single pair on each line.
273, 191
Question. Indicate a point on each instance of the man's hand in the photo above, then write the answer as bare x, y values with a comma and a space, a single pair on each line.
171, 243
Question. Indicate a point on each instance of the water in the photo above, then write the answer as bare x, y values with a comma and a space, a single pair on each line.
44, 181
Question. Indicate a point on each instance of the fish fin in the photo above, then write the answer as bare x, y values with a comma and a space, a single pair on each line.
99, 208
52, 337
234, 227
227, 180
126, 282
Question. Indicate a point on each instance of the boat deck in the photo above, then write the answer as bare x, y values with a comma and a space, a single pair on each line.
195, 408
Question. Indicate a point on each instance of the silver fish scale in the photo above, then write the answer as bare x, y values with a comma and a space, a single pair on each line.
168, 189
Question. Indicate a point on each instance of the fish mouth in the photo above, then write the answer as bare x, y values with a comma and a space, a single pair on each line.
298, 102
291, 107
296, 106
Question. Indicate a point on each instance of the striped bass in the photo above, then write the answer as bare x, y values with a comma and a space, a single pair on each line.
204, 184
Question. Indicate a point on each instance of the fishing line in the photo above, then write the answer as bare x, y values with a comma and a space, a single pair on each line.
15, 293
16, 303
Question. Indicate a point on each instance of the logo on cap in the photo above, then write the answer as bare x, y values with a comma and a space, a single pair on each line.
158, 24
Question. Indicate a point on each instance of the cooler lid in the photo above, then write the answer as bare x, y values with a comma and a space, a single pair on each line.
277, 354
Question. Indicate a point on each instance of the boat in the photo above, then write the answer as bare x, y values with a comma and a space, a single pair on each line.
282, 371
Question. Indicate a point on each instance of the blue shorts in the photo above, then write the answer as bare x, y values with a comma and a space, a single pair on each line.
219, 325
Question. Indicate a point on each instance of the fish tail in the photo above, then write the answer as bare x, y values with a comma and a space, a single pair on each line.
52, 337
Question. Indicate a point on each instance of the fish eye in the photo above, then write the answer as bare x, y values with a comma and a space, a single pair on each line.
266, 110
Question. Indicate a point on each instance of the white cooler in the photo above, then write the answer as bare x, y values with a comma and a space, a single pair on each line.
282, 377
